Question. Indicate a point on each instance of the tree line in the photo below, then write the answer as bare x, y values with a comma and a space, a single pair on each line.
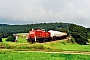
27, 27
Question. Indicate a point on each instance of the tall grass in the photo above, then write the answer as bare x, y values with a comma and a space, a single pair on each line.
51, 46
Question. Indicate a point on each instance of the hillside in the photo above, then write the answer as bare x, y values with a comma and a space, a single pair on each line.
27, 27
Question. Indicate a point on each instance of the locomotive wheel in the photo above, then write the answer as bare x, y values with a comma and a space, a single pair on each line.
28, 40
53, 38
49, 39
32, 40
41, 40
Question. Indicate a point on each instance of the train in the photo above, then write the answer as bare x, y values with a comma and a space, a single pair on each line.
40, 35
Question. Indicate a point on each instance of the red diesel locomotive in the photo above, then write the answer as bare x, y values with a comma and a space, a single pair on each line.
39, 35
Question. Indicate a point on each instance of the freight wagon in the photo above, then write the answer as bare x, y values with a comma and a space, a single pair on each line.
40, 35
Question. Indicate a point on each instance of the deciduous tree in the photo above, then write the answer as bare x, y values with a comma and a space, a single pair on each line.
79, 33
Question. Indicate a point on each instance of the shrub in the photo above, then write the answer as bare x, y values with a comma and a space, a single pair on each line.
11, 38
38, 46
72, 40
0, 39
64, 42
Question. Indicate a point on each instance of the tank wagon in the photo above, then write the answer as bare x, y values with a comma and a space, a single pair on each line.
56, 35
40, 35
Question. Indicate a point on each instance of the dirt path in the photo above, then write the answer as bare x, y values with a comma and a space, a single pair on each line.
63, 52
71, 52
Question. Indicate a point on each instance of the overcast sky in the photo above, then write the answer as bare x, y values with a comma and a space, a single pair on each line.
37, 11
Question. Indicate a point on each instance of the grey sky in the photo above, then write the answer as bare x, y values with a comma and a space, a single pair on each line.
35, 11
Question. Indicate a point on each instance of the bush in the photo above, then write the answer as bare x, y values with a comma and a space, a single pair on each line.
72, 40
0, 39
5, 34
11, 38
38, 46
82, 41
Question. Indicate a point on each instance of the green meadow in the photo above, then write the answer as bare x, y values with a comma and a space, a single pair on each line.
41, 56
60, 45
